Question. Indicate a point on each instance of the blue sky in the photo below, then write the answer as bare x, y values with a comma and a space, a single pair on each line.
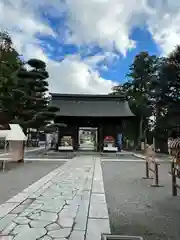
88, 46
144, 42
117, 70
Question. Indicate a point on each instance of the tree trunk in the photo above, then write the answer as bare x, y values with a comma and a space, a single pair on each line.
37, 137
140, 133
24, 145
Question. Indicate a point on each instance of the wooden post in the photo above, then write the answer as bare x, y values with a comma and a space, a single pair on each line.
174, 188
154, 143
147, 171
156, 176
5, 151
147, 150
156, 173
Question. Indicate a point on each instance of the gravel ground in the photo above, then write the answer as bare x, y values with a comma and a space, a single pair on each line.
137, 209
19, 176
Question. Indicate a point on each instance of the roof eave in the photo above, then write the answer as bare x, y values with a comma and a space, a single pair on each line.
100, 96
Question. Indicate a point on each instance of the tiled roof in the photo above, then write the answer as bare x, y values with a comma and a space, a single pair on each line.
91, 105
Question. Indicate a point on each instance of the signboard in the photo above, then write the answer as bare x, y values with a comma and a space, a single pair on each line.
109, 141
66, 141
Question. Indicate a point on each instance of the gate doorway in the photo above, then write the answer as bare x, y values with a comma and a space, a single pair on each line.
87, 139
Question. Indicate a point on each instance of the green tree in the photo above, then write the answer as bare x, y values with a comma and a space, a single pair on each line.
170, 99
23, 92
34, 111
141, 73
9, 64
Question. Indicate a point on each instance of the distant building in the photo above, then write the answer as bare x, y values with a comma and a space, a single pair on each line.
104, 112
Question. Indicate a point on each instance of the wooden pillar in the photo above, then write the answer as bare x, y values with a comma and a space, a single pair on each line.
57, 144
76, 138
72, 133
100, 138
61, 133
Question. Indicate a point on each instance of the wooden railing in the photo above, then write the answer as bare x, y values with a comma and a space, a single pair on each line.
148, 169
175, 175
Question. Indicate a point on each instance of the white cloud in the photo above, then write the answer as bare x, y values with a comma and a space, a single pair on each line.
70, 76
107, 23
164, 23
14, 18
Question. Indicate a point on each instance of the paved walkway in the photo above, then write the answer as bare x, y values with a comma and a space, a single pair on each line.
11, 179
68, 203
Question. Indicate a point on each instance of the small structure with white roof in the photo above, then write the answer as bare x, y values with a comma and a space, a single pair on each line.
16, 137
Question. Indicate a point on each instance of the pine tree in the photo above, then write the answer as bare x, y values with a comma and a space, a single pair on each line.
35, 111
23, 93
9, 64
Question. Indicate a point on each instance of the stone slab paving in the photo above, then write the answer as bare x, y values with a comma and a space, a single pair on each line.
68, 203
18, 176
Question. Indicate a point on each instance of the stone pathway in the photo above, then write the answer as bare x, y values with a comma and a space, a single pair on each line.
68, 203
11, 180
